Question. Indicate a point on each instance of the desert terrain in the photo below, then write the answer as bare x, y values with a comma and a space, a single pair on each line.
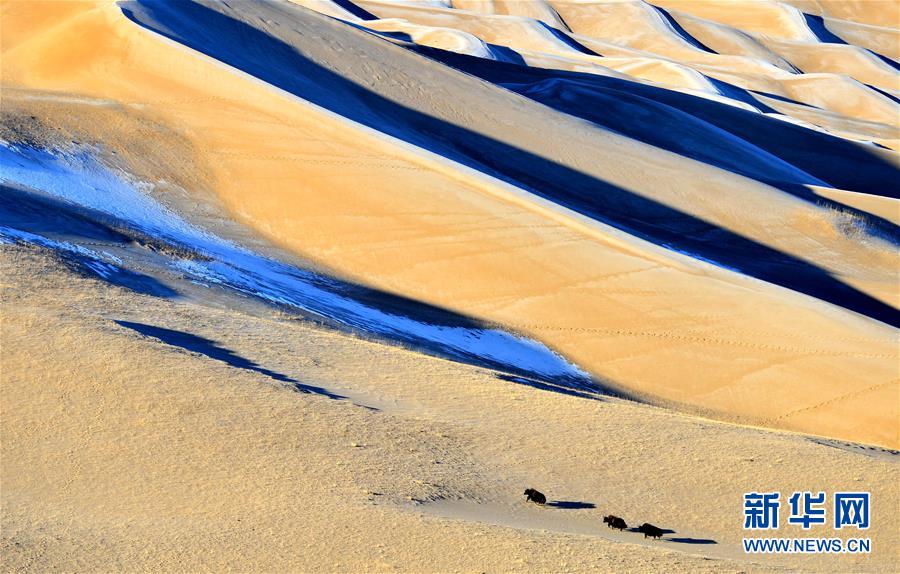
322, 286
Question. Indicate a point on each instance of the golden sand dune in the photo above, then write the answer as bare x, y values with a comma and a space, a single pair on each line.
761, 346
691, 205
129, 453
754, 45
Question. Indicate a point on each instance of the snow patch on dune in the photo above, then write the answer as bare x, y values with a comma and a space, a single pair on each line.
77, 177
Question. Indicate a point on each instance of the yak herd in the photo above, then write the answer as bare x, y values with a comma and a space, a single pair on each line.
611, 521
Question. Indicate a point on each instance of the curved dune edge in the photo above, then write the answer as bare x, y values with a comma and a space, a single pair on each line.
661, 325
770, 47
170, 460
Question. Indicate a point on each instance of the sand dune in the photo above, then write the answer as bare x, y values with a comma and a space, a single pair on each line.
245, 473
764, 43
687, 204
167, 459
579, 249
881, 40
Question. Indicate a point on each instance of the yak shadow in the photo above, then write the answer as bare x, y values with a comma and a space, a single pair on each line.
278, 58
664, 530
692, 540
215, 351
570, 504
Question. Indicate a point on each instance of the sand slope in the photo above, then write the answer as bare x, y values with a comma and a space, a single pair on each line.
445, 233
453, 194
133, 454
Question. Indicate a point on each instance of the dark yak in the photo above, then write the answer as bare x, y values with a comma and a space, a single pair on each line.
615, 522
650, 530
535, 496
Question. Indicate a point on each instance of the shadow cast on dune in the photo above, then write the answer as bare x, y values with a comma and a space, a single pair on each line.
59, 223
681, 32
741, 141
570, 505
817, 25
555, 388
137, 282
567, 39
213, 350
663, 530
57, 214
219, 32
37, 213
888, 95
692, 540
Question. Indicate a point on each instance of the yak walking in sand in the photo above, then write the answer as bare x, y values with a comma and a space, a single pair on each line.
535, 496
650, 530
614, 522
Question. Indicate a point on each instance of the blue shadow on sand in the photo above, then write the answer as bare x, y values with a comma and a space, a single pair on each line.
681, 32
570, 504
664, 530
218, 31
692, 540
549, 386
51, 218
213, 350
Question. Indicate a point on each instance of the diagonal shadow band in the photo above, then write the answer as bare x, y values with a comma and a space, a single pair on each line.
38, 213
278, 58
213, 350
734, 139
46, 216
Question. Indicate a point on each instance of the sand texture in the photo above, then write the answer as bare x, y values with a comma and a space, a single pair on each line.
313, 285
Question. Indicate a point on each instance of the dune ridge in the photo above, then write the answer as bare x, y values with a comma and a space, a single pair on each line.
323, 285
588, 234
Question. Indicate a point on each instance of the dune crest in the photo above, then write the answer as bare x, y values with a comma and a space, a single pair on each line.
672, 246
324, 285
